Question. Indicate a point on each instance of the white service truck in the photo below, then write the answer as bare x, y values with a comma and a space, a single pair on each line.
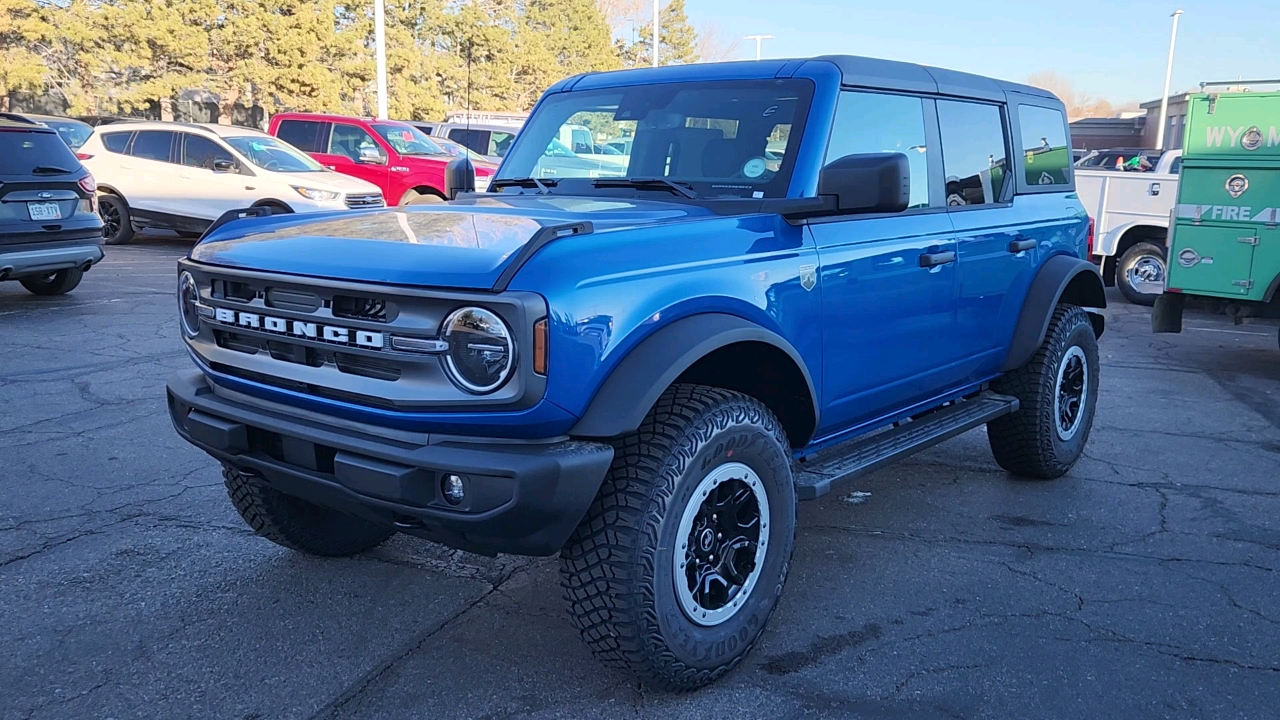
1130, 211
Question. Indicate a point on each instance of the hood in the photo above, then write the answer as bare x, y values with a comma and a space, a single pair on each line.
462, 244
329, 180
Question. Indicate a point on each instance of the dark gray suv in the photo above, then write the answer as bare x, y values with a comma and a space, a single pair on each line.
50, 232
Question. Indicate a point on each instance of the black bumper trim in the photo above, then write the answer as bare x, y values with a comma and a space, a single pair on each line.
521, 498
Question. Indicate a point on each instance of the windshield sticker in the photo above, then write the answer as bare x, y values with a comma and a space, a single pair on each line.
755, 167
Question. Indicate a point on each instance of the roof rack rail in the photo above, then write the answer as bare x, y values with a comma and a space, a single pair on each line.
1240, 83
15, 117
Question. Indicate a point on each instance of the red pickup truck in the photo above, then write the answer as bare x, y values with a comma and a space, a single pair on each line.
395, 156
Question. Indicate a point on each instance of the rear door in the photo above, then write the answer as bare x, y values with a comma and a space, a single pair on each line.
149, 175
208, 192
309, 136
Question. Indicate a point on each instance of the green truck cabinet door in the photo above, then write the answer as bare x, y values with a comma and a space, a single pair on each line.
1210, 259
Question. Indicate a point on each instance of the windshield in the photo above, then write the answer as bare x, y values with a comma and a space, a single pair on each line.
408, 140
721, 139
269, 153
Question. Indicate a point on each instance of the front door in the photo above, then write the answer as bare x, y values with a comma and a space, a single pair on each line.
212, 180
353, 151
888, 282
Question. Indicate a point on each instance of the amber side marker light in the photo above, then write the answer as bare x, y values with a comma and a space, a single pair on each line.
540, 347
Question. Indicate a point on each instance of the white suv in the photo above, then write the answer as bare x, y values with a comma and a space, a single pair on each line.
184, 176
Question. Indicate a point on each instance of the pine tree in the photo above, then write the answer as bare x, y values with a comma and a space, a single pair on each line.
678, 41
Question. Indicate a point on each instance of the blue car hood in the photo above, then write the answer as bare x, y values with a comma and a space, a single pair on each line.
462, 244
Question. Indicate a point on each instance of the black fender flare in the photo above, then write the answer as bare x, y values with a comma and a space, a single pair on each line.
1060, 275
1271, 289
635, 384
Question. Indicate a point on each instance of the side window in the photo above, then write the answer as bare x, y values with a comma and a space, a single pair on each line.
974, 159
152, 145
306, 135
202, 152
116, 142
500, 142
1046, 157
477, 140
876, 123
351, 141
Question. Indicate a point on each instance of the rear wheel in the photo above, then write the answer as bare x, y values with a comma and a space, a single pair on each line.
63, 281
681, 558
1058, 392
117, 225
297, 524
1140, 273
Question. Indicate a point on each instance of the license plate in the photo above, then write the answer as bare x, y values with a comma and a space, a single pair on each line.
44, 211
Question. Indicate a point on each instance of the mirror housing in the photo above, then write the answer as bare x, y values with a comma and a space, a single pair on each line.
371, 156
224, 166
868, 182
459, 177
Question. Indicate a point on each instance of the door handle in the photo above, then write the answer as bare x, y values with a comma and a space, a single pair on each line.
1017, 246
928, 260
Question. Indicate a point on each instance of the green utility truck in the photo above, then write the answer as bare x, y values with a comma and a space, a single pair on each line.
1224, 237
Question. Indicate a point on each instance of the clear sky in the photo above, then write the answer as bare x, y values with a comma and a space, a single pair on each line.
1114, 49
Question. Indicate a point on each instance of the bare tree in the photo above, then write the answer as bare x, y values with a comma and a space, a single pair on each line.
1079, 104
713, 46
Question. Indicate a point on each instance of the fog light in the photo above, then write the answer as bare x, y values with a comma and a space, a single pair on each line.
453, 489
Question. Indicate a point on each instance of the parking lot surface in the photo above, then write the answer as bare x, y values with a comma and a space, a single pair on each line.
1144, 584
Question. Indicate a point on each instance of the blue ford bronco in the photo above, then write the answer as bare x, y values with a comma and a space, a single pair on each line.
806, 269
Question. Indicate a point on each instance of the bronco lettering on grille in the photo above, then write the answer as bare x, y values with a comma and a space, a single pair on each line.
300, 329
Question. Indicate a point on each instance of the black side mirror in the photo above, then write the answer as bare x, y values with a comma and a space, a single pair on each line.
868, 182
224, 166
459, 177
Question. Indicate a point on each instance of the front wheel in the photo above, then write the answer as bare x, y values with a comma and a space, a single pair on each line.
1058, 392
1140, 273
681, 558
296, 524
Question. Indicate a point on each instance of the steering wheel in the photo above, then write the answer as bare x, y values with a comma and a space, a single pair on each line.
271, 164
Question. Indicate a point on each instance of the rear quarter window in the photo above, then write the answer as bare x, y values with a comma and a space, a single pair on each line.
1046, 157
115, 142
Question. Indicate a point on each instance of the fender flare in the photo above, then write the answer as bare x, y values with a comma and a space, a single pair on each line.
1271, 289
636, 382
1058, 273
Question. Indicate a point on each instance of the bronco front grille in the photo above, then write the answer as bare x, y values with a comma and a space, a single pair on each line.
364, 201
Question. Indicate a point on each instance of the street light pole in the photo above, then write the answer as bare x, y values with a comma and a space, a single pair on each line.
1168, 75
656, 12
758, 38
380, 54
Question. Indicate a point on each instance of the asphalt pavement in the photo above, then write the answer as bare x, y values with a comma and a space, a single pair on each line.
1145, 584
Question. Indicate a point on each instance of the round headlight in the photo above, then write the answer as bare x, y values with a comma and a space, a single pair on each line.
188, 300
481, 350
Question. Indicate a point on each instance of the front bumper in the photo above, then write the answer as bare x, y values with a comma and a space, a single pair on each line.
523, 498
43, 258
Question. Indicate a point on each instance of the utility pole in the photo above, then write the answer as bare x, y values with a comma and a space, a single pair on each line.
656, 12
758, 38
1168, 75
380, 54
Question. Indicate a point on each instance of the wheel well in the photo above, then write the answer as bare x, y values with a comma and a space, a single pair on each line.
766, 373
273, 204
422, 190
1085, 291
1131, 237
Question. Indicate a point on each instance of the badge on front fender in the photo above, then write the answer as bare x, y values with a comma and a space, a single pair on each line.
808, 276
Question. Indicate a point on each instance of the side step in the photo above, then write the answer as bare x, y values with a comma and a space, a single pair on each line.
866, 454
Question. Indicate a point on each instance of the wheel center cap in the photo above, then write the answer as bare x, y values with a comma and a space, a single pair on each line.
706, 539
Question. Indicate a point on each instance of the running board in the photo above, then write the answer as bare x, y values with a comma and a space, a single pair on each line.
866, 454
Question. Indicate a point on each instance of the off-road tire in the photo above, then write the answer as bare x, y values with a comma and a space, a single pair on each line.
59, 283
617, 567
1131, 258
297, 524
1027, 442
124, 231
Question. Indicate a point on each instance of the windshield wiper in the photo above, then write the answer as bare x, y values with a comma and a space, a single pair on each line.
543, 185
647, 183
49, 170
